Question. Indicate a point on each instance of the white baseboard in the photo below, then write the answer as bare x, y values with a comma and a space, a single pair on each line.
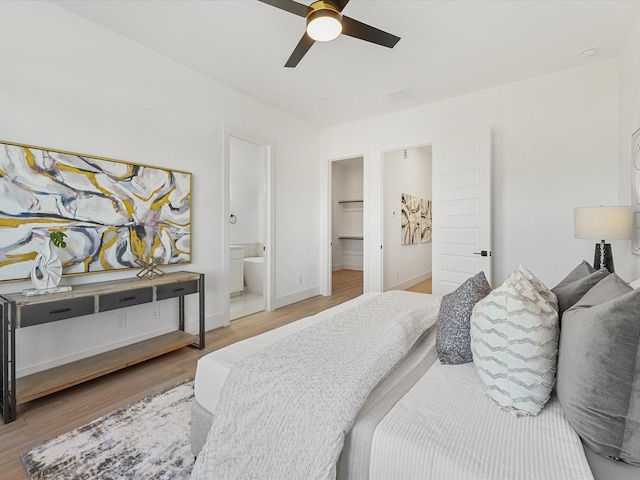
335, 268
353, 266
210, 322
410, 282
296, 297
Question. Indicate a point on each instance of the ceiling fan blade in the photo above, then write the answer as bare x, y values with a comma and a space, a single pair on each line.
303, 47
339, 4
360, 30
289, 6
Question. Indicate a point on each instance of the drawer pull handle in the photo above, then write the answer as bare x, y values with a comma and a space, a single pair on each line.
178, 289
62, 310
126, 299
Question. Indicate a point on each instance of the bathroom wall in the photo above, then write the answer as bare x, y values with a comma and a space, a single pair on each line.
247, 192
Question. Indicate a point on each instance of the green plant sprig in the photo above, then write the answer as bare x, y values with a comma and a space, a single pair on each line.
57, 238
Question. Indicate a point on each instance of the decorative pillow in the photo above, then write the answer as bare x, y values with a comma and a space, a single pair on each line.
599, 369
540, 287
514, 340
453, 341
576, 284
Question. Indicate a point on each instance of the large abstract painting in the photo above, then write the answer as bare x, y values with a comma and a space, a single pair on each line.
416, 220
410, 222
113, 213
635, 161
425, 220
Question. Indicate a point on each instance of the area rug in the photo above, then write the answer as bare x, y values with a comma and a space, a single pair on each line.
148, 439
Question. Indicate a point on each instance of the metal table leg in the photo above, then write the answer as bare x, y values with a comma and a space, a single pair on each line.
201, 325
8, 347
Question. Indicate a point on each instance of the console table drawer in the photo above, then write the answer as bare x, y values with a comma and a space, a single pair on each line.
53, 311
176, 289
112, 301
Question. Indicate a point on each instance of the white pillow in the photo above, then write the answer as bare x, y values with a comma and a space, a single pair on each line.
514, 341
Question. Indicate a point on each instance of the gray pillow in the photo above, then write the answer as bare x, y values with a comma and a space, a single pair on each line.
576, 284
598, 379
453, 342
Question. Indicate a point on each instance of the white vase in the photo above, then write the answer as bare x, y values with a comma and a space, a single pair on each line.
47, 267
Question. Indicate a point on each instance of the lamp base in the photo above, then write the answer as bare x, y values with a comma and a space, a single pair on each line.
608, 258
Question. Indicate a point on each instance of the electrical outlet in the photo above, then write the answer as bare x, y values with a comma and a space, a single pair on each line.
300, 280
397, 275
155, 313
121, 320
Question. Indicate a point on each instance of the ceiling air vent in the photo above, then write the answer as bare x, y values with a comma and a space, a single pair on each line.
402, 94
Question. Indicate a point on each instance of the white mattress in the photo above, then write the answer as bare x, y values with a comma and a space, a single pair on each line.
462, 434
213, 369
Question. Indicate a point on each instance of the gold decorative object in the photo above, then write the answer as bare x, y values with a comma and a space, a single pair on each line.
150, 269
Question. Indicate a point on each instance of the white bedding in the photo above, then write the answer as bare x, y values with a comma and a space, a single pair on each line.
486, 446
463, 435
214, 368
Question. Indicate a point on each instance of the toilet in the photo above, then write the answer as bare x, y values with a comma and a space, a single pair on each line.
253, 274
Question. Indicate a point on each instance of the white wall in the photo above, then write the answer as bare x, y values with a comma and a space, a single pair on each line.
554, 141
247, 176
69, 84
347, 184
627, 264
404, 265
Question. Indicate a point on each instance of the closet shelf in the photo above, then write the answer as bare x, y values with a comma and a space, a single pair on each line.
350, 237
351, 204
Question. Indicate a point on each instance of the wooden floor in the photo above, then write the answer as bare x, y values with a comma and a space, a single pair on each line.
48, 417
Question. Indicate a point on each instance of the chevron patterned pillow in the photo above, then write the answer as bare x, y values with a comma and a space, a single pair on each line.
514, 341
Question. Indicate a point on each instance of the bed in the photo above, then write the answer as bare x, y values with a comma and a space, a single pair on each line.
461, 434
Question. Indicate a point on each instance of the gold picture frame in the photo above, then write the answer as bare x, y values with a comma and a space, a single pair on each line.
114, 213
635, 191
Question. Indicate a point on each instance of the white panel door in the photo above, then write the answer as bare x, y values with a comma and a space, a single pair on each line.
461, 208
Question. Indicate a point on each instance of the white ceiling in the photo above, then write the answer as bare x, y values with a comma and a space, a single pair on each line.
447, 48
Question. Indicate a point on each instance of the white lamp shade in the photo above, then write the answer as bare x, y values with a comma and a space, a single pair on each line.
603, 223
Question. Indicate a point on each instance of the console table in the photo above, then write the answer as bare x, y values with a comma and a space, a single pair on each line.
20, 311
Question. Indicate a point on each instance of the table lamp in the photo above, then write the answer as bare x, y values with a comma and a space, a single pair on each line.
603, 223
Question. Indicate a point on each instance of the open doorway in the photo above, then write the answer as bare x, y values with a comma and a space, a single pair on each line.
249, 212
347, 223
407, 218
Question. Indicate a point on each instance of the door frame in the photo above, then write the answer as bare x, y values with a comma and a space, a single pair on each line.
382, 212
269, 217
328, 280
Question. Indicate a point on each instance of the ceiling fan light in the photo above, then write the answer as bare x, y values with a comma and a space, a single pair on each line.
324, 25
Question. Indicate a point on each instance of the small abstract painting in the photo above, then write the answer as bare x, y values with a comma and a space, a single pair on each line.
635, 178
410, 221
425, 220
113, 213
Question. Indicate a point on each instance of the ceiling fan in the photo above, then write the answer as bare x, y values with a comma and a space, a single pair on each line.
325, 22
